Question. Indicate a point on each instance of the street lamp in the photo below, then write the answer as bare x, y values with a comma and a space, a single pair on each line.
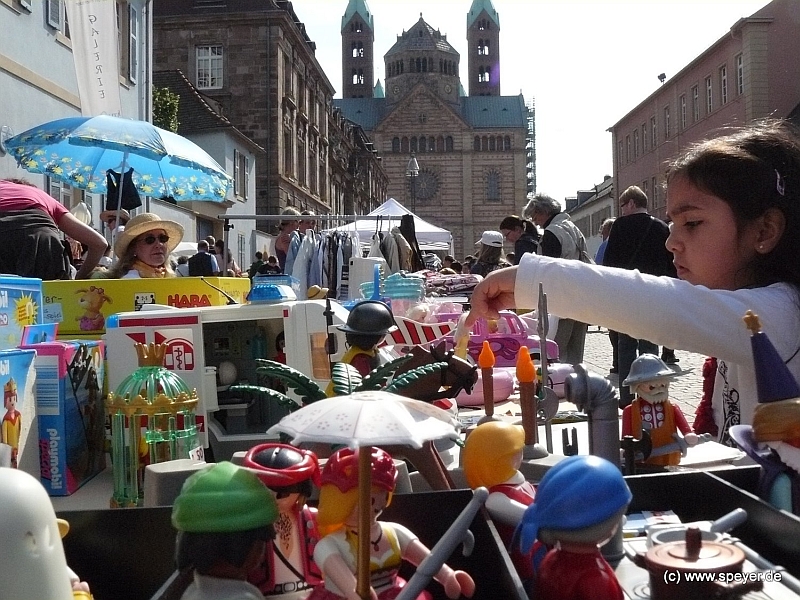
412, 172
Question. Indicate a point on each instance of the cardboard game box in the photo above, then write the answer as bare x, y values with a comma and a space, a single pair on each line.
69, 403
19, 431
82, 307
20, 305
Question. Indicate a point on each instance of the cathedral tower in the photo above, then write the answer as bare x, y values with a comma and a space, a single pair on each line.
483, 43
358, 39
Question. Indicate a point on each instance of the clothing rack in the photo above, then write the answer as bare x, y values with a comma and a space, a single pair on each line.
228, 218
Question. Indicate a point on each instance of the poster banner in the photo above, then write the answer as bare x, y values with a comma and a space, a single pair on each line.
93, 30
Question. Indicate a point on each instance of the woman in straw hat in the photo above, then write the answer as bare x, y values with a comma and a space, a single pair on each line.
144, 246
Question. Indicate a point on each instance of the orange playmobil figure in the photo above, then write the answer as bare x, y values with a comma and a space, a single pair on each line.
649, 381
390, 543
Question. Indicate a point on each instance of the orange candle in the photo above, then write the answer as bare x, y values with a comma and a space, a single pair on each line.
526, 375
486, 362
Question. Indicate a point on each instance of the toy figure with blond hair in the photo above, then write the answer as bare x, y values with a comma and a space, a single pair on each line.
390, 543
288, 568
12, 420
491, 458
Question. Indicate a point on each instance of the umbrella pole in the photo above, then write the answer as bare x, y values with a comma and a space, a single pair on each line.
119, 187
364, 521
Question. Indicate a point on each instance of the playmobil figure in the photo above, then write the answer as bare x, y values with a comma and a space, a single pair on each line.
390, 543
649, 382
579, 506
773, 440
368, 322
33, 564
12, 420
491, 458
224, 517
288, 564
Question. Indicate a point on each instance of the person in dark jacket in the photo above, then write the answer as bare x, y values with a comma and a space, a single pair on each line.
522, 233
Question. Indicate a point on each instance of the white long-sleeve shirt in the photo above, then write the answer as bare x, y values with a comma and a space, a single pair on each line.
675, 314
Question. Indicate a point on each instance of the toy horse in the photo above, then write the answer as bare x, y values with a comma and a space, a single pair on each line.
447, 383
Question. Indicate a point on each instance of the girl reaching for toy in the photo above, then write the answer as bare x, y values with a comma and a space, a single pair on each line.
734, 203
390, 543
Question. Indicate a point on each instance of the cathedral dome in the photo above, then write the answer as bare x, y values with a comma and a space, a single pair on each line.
421, 38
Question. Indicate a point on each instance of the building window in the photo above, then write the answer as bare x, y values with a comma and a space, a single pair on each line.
241, 173
619, 153
644, 137
507, 143
483, 47
695, 104
653, 132
723, 84
645, 186
666, 123
635, 144
209, 67
683, 111
55, 13
476, 144
448, 143
493, 186
739, 74
358, 49
396, 144
63, 192
133, 43
655, 193
287, 154
288, 90
709, 96
627, 149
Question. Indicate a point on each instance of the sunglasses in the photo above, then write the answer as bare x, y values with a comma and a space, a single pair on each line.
151, 239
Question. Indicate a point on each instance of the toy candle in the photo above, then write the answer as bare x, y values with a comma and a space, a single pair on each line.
526, 375
486, 363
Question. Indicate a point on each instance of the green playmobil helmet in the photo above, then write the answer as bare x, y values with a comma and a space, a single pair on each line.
223, 498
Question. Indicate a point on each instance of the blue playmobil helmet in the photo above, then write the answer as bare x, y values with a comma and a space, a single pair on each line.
579, 492
774, 381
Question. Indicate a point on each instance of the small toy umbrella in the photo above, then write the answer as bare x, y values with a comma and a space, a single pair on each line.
361, 420
79, 151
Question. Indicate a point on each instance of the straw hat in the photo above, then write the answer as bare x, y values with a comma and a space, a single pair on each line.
142, 224
124, 216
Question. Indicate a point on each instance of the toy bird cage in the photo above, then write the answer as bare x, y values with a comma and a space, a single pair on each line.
152, 417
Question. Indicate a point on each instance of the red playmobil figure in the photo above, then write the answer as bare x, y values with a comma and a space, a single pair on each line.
224, 517
579, 506
12, 420
773, 440
390, 543
288, 568
649, 381
491, 458
368, 322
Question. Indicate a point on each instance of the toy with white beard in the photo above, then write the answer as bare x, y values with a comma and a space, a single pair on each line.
649, 381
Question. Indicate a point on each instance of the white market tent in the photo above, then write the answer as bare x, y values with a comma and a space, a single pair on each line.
429, 236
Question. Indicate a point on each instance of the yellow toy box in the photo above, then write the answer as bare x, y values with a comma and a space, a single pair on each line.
20, 305
81, 307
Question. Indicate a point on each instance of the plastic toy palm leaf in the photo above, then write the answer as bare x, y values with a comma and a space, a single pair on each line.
265, 394
413, 375
377, 378
345, 378
303, 385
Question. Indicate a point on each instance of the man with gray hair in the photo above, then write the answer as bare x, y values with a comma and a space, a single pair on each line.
561, 239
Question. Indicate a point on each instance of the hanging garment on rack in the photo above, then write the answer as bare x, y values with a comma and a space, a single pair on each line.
300, 267
291, 253
315, 262
389, 250
404, 252
375, 246
349, 246
408, 229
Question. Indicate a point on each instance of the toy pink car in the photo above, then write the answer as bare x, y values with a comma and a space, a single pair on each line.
505, 335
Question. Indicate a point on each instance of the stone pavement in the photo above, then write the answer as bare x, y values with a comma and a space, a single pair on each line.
685, 391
